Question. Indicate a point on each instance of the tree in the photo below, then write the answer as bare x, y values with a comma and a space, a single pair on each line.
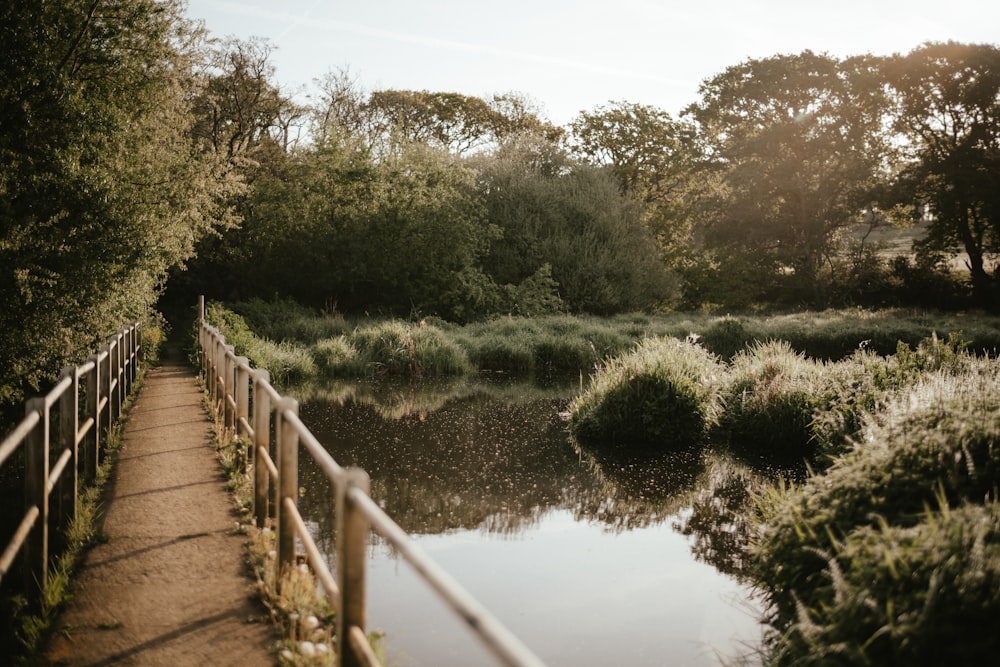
238, 107
101, 188
558, 213
398, 235
798, 144
457, 123
653, 157
948, 112
643, 146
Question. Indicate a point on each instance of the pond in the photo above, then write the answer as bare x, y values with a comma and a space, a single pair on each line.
588, 562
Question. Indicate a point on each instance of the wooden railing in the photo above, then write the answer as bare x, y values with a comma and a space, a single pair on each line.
61, 435
246, 403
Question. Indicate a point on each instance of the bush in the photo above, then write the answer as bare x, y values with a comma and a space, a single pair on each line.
286, 361
336, 356
862, 383
662, 395
768, 401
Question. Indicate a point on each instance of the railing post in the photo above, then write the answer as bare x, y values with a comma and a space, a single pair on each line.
212, 379
201, 332
136, 350
242, 391
206, 359
219, 365
115, 376
121, 372
126, 355
92, 443
288, 481
229, 391
69, 427
261, 443
129, 359
36, 474
352, 557
105, 391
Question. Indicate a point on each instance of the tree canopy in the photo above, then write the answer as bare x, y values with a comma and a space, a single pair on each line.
101, 187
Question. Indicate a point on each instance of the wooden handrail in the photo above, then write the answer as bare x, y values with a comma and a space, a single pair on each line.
54, 464
275, 463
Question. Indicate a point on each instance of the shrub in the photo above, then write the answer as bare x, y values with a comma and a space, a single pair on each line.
662, 395
768, 401
862, 383
286, 361
336, 356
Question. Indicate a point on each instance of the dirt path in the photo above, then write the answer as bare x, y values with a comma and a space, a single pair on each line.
169, 586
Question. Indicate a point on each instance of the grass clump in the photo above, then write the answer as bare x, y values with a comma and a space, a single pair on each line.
768, 401
663, 395
862, 384
394, 347
287, 361
924, 595
838, 544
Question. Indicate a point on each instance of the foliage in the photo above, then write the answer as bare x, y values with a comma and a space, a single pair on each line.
332, 225
798, 145
103, 190
662, 395
859, 386
573, 218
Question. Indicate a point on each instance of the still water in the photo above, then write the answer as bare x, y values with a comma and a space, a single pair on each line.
588, 562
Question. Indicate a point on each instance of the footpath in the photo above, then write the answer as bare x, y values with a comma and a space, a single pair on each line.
169, 585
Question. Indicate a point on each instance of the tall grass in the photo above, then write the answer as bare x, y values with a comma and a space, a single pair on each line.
768, 401
662, 395
852, 555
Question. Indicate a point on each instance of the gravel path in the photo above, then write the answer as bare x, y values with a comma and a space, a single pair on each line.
169, 586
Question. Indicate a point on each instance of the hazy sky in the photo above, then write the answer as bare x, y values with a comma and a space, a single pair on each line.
573, 55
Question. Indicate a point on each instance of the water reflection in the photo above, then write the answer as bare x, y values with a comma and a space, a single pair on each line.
448, 461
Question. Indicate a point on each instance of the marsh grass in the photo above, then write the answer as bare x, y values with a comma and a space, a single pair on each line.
768, 401
662, 395
890, 549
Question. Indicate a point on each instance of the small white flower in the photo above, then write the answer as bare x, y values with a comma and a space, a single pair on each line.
308, 649
272, 554
286, 654
311, 622
322, 648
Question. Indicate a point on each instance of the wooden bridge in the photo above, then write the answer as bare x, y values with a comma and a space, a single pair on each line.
167, 583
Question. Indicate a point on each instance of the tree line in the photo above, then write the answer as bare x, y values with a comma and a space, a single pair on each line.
144, 161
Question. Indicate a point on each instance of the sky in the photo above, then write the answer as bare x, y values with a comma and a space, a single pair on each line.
575, 55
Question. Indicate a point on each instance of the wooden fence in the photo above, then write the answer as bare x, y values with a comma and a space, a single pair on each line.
61, 434
246, 404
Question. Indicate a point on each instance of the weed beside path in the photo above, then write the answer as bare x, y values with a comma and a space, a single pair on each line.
168, 583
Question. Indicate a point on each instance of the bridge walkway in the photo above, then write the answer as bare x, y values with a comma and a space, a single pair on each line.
168, 583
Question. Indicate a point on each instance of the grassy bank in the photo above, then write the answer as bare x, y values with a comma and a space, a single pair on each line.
296, 343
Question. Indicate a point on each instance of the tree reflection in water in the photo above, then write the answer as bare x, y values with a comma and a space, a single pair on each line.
494, 457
